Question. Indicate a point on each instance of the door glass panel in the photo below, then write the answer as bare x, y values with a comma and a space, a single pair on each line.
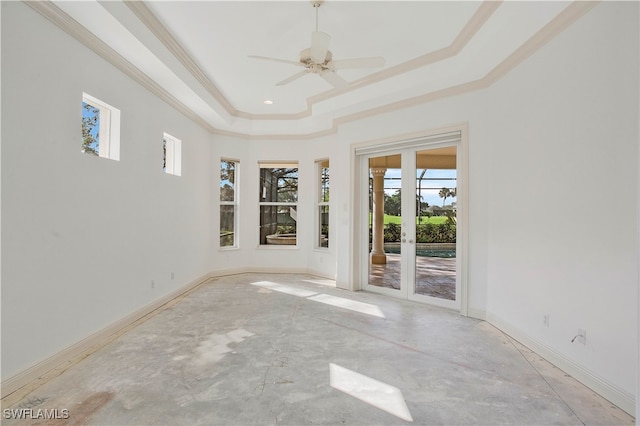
385, 217
436, 190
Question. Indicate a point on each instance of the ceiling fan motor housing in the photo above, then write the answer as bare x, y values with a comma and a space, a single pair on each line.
305, 59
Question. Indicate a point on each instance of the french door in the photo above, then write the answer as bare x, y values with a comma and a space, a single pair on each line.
410, 248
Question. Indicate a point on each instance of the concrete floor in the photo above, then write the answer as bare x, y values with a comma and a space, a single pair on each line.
260, 349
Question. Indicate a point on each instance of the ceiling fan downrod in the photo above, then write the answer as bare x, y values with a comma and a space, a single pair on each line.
316, 4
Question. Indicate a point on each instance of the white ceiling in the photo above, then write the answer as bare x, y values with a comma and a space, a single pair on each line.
196, 54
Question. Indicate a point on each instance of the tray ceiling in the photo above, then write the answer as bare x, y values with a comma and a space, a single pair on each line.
195, 55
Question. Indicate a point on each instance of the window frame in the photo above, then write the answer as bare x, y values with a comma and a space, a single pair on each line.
109, 130
234, 203
172, 154
290, 204
321, 202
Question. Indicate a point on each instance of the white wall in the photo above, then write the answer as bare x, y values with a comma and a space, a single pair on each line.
553, 150
563, 222
637, 413
82, 237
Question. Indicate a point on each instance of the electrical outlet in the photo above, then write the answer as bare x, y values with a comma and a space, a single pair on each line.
545, 320
582, 336
172, 275
153, 284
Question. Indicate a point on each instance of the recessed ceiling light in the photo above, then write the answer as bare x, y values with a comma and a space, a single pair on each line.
268, 102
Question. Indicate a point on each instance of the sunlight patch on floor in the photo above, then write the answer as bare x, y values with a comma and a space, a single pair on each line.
339, 302
325, 282
381, 395
352, 305
285, 289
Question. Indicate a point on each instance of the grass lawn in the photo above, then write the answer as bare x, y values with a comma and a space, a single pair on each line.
432, 219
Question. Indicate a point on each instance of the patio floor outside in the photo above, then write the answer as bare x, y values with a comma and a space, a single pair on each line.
435, 276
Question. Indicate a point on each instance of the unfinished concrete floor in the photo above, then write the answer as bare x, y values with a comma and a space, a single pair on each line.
260, 349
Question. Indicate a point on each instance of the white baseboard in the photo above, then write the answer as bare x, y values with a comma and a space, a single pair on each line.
66, 357
606, 389
480, 314
262, 270
321, 274
258, 270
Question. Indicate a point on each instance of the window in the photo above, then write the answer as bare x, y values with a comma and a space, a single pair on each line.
100, 128
172, 147
278, 203
228, 203
322, 168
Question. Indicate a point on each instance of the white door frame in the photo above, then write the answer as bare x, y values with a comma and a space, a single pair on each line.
436, 138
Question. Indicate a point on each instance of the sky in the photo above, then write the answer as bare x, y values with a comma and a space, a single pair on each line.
429, 195
95, 131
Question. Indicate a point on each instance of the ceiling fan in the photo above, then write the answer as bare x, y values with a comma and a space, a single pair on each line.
317, 59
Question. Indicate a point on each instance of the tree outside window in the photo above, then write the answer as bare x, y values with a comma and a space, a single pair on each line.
278, 202
228, 204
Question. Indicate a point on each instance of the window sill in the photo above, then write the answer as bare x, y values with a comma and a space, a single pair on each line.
278, 247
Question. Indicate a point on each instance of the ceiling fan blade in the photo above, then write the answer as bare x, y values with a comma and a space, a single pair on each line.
334, 79
319, 46
341, 64
293, 77
284, 61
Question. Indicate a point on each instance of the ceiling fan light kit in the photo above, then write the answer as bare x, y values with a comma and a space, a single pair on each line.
318, 59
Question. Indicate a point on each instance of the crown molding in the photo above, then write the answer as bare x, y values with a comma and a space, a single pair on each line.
568, 16
482, 15
280, 137
563, 20
576, 10
151, 21
72, 27
148, 18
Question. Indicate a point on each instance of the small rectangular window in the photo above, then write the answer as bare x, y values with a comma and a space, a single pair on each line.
100, 128
172, 148
278, 200
322, 168
228, 202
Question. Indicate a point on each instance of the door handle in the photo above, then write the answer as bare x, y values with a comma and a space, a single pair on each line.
404, 240
410, 241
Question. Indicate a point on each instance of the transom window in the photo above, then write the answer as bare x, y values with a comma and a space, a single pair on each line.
172, 147
100, 128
